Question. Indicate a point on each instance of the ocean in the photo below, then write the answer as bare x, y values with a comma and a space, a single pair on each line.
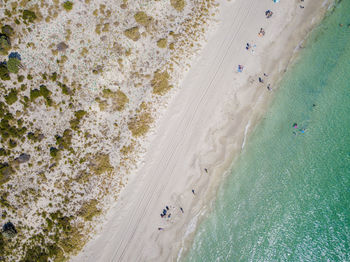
287, 197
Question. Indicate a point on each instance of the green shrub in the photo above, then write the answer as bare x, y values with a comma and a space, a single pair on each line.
53, 77
20, 79
7, 30
28, 16
68, 5
5, 172
13, 65
65, 89
54, 152
34, 94
4, 72
2, 245
3, 109
32, 136
3, 152
5, 44
80, 114
12, 143
36, 253
74, 123
11, 97
64, 141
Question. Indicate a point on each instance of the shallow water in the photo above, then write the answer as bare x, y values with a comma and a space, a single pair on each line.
288, 196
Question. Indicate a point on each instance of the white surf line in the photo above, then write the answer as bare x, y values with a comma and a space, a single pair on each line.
245, 134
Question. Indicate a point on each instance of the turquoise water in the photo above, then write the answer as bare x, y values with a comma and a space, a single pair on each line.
288, 195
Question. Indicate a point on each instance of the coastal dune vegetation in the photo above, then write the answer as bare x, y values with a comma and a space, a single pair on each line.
80, 83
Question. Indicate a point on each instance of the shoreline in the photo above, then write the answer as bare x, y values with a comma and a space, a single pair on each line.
214, 148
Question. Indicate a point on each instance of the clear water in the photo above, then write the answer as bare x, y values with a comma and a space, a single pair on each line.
288, 197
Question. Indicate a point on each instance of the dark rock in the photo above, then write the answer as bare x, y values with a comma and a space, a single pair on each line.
41, 137
15, 55
23, 158
9, 230
62, 47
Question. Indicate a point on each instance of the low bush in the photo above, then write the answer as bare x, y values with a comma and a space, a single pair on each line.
178, 4
162, 43
160, 82
133, 33
142, 18
29, 16
68, 5
89, 210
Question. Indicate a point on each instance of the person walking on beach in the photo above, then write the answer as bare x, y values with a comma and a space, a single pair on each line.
193, 191
206, 170
182, 210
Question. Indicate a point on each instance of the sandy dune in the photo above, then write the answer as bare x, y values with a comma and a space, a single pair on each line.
204, 125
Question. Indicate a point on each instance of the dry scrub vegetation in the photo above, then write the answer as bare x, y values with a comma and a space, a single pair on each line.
80, 83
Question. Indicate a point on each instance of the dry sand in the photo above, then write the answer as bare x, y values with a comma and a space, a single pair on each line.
205, 126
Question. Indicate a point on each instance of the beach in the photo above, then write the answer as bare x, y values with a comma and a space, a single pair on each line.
204, 127
286, 196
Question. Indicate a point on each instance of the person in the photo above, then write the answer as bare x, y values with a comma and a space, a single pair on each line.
247, 46
181, 210
160, 228
295, 125
265, 75
193, 191
268, 13
261, 80
240, 68
262, 32
268, 87
206, 170
167, 208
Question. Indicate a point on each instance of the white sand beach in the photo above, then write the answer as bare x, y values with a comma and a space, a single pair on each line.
204, 127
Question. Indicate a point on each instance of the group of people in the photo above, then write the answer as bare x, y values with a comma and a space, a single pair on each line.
297, 129
261, 33
166, 214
